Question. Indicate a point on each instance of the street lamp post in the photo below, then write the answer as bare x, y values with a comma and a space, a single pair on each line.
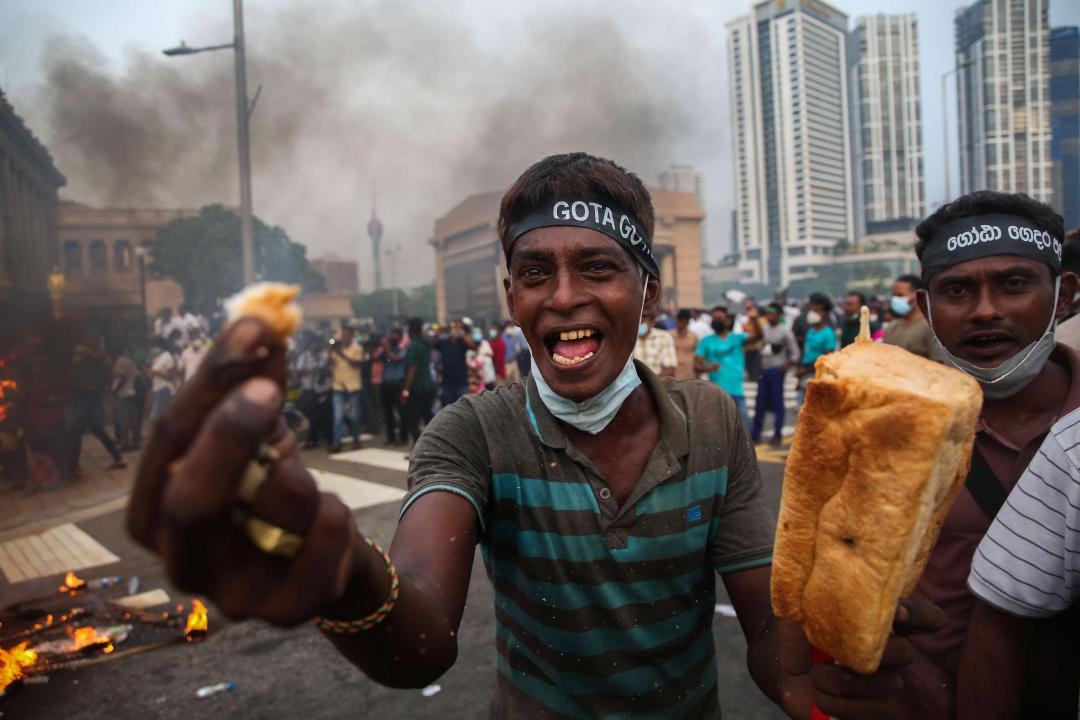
243, 120
945, 122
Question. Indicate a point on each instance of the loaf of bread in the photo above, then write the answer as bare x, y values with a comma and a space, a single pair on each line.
882, 446
273, 303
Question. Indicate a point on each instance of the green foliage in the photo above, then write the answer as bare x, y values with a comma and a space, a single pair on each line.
379, 305
202, 253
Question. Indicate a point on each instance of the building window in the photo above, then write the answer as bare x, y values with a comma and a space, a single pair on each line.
99, 261
121, 256
73, 256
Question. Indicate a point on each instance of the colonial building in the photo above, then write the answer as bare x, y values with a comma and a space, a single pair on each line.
29, 182
342, 276
105, 262
470, 267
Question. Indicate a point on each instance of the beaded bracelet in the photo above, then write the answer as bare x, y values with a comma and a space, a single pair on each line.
376, 617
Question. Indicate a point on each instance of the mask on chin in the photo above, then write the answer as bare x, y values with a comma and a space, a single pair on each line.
593, 414
1016, 373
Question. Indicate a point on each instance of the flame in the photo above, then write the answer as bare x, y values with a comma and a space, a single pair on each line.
197, 622
86, 636
5, 385
12, 663
72, 583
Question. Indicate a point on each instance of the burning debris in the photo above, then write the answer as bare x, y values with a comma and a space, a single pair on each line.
44, 638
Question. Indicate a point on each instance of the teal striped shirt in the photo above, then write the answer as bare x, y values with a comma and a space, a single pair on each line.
602, 610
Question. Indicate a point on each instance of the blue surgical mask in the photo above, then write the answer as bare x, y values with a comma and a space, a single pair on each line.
593, 414
643, 329
477, 336
900, 306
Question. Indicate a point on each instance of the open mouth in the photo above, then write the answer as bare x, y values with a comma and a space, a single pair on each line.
987, 344
569, 348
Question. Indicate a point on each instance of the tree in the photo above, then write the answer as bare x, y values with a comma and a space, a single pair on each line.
202, 253
379, 305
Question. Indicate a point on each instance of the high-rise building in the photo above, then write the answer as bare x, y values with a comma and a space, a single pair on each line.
886, 121
1003, 93
1065, 121
684, 178
791, 149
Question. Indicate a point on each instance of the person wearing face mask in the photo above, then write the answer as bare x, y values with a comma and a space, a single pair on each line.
909, 328
656, 348
991, 265
820, 339
722, 356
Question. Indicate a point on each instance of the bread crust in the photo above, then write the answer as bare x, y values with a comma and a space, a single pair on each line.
881, 448
273, 303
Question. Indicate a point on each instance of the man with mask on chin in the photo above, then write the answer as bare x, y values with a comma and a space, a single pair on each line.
991, 264
909, 328
605, 501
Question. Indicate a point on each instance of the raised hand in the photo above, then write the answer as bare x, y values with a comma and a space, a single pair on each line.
185, 504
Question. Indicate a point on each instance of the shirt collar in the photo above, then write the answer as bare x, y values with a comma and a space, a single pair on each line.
673, 421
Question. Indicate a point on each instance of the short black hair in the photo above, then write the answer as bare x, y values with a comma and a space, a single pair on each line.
914, 281
721, 308
862, 298
577, 175
984, 202
683, 314
1070, 257
822, 300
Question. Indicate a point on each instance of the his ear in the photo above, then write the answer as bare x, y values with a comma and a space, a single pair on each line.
509, 300
652, 296
1065, 294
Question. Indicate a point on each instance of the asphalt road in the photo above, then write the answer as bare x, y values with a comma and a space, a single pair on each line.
296, 673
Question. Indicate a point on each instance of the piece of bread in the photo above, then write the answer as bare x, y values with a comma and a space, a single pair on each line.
881, 449
273, 303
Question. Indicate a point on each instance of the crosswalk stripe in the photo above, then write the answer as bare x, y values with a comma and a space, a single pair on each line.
389, 459
354, 492
52, 552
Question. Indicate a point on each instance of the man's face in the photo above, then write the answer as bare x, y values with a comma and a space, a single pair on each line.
851, 305
346, 336
772, 317
986, 310
904, 289
681, 324
576, 294
395, 337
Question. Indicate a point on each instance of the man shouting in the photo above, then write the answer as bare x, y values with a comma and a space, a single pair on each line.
605, 500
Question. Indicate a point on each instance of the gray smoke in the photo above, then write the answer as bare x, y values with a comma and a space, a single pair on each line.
428, 108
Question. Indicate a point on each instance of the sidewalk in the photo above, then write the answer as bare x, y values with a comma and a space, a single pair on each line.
19, 508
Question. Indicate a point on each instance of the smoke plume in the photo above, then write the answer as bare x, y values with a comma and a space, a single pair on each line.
421, 102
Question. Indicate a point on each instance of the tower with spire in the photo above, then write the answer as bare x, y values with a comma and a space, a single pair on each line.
375, 232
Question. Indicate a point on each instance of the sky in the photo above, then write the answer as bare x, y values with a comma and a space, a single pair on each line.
417, 104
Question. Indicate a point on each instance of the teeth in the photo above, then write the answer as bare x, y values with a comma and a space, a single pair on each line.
570, 361
575, 334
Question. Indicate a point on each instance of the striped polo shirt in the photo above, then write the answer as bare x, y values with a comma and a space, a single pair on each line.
602, 610
1028, 563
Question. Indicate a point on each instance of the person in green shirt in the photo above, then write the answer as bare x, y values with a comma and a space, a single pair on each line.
722, 356
419, 390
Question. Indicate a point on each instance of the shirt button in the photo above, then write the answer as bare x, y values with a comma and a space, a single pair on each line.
605, 493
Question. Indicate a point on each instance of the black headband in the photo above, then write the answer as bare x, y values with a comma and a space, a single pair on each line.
982, 236
619, 225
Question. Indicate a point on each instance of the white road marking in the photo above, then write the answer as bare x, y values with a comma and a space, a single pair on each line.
52, 552
379, 457
356, 493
